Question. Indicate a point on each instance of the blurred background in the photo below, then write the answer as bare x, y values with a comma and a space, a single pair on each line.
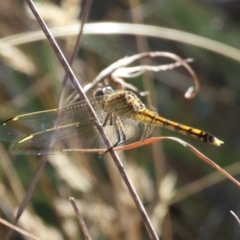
184, 197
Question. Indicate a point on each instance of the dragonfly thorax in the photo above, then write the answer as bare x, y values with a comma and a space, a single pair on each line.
123, 103
133, 101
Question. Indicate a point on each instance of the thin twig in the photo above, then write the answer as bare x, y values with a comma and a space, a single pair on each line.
18, 230
29, 192
80, 219
92, 114
43, 158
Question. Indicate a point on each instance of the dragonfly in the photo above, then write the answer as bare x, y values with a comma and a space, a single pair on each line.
66, 129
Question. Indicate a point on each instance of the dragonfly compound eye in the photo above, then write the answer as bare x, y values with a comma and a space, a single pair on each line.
98, 92
102, 91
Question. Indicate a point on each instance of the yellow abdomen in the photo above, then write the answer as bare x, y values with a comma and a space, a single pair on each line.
146, 116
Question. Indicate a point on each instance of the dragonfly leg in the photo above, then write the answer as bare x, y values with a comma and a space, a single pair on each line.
120, 132
120, 135
109, 116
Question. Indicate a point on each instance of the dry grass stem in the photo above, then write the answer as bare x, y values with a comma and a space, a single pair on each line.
81, 221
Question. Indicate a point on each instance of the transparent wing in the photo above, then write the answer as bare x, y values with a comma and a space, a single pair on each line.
71, 127
72, 137
24, 125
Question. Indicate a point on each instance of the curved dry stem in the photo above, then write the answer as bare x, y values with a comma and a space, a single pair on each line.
236, 217
191, 92
156, 139
108, 28
203, 183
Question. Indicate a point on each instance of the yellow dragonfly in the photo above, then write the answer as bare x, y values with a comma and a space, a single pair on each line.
71, 127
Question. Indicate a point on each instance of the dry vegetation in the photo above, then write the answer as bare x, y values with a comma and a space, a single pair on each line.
184, 197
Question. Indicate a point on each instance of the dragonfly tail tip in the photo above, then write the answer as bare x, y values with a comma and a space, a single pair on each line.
217, 142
